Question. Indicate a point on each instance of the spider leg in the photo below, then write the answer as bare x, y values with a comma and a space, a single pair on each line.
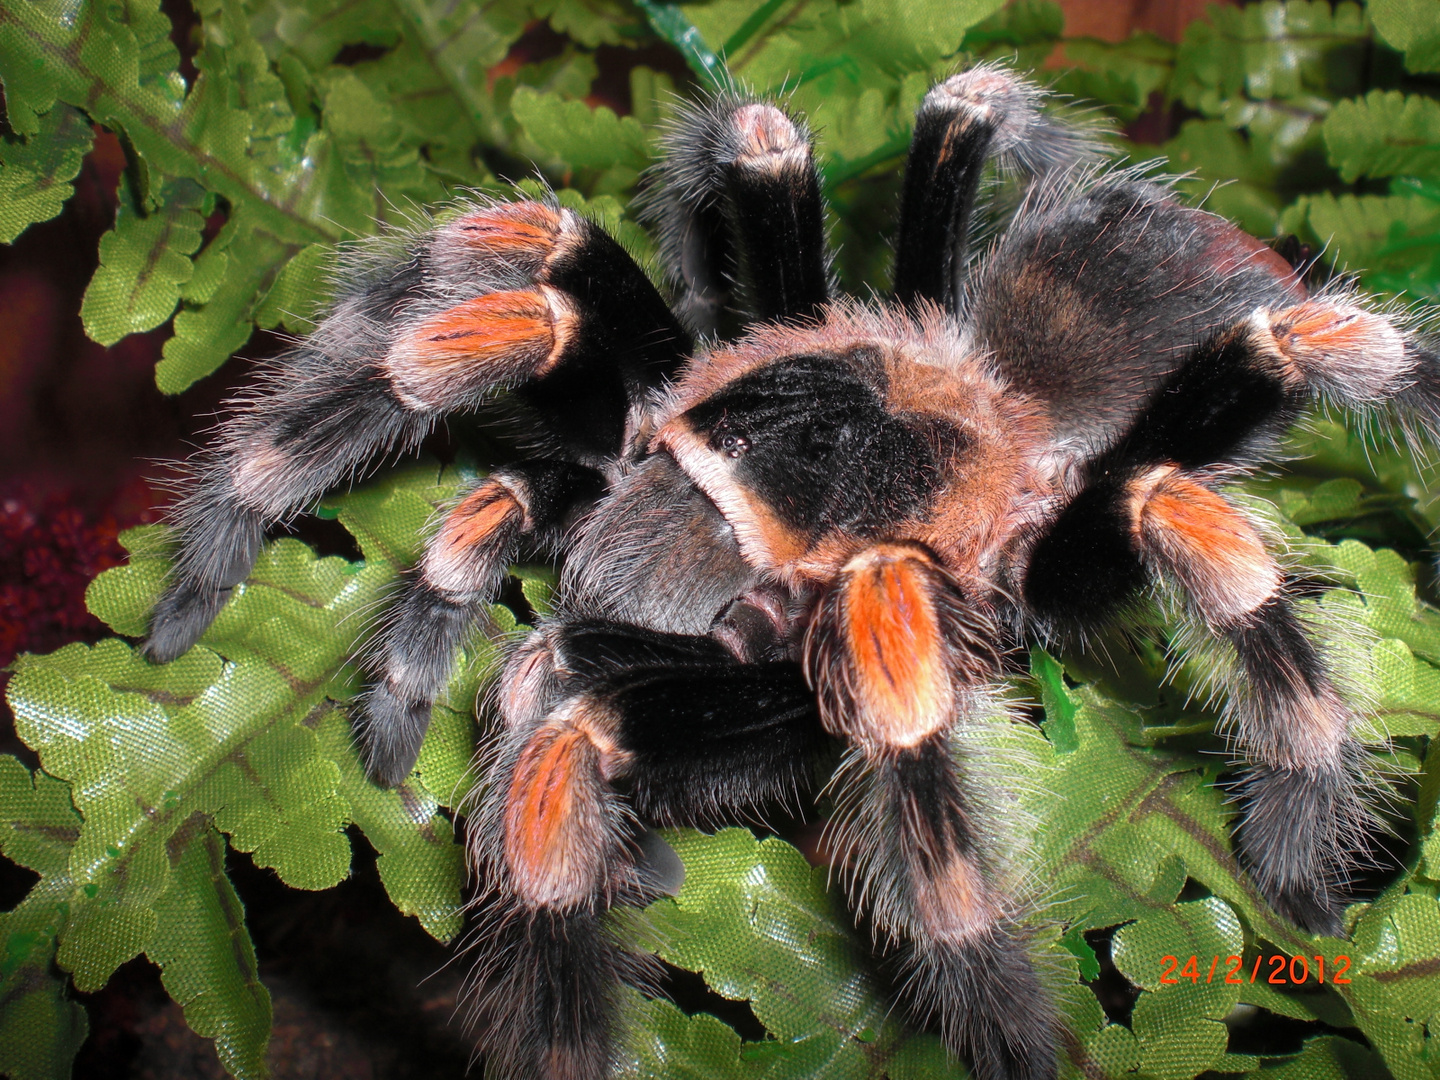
959, 125
749, 729
899, 656
556, 846
1303, 816
964, 122
1148, 512
522, 296
443, 600
692, 733
737, 208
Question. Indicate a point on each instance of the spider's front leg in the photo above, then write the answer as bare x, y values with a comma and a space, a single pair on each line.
693, 734
523, 296
1149, 512
899, 657
736, 207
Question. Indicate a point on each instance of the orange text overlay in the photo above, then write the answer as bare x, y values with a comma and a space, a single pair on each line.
1277, 969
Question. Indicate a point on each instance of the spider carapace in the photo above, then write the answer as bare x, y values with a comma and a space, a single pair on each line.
797, 526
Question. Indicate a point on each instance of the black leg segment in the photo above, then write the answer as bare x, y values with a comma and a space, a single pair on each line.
736, 203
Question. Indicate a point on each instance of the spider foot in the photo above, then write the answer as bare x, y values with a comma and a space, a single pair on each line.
205, 573
1302, 832
984, 997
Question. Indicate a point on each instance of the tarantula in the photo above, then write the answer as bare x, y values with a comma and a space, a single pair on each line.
792, 521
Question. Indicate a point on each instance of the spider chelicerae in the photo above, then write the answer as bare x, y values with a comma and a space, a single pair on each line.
795, 525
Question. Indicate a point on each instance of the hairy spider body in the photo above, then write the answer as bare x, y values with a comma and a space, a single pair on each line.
830, 524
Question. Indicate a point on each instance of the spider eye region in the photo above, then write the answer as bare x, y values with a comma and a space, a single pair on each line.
730, 443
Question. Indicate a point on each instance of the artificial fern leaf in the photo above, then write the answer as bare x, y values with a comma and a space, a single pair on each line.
289, 144
1413, 27
243, 735
1385, 133
571, 132
1375, 234
207, 962
144, 262
758, 922
1270, 51
40, 1027
1120, 76
35, 172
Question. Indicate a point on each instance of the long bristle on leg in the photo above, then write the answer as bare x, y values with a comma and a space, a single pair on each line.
323, 412
319, 416
956, 129
556, 849
1304, 821
912, 839
1229, 403
1307, 821
898, 657
443, 600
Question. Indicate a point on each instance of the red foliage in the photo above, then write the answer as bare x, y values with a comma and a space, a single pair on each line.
49, 551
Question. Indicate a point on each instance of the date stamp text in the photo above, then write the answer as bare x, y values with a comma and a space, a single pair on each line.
1276, 969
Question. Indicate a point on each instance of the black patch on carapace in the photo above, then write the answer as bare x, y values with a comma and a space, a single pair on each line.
1210, 409
818, 446
778, 222
1085, 567
948, 441
942, 176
